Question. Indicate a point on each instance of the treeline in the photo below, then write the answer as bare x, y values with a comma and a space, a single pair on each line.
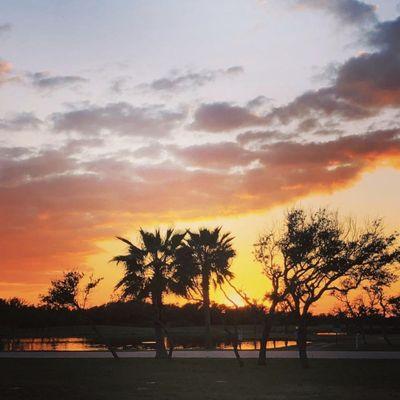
15, 314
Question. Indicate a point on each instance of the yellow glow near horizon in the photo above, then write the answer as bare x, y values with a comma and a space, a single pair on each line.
248, 273
362, 200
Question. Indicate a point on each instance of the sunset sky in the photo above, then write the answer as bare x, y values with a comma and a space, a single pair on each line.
120, 114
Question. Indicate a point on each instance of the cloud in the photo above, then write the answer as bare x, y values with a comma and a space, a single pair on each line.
222, 117
178, 80
46, 81
324, 102
373, 79
364, 85
4, 28
58, 206
119, 85
47, 164
260, 137
119, 118
348, 12
20, 122
214, 155
258, 101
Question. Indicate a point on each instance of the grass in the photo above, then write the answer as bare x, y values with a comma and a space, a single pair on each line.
197, 379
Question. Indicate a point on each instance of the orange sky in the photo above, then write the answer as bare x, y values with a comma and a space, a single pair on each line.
360, 201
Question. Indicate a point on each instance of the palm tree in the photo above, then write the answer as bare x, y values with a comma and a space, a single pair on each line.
151, 271
211, 254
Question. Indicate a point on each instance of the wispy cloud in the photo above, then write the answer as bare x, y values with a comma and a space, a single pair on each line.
178, 80
20, 122
223, 117
47, 81
119, 118
5, 28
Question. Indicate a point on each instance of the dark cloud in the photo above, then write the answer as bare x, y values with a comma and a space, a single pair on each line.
373, 79
189, 80
319, 103
46, 81
349, 12
20, 122
222, 117
119, 118
363, 86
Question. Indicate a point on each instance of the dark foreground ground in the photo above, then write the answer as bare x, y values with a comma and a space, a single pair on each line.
197, 379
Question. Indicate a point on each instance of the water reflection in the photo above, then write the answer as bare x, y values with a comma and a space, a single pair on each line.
255, 345
50, 344
85, 344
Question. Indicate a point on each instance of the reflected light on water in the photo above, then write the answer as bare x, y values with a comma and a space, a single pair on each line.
255, 345
50, 344
84, 344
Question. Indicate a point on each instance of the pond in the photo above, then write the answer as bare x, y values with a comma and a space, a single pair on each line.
85, 344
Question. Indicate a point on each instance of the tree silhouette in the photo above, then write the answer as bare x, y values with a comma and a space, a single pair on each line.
152, 270
394, 306
317, 254
371, 304
265, 252
67, 292
210, 253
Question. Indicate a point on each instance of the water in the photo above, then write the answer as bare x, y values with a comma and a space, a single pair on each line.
50, 344
85, 344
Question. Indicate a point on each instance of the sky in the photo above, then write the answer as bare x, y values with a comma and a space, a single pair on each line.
116, 115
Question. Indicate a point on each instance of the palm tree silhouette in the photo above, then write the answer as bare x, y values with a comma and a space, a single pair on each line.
151, 271
211, 253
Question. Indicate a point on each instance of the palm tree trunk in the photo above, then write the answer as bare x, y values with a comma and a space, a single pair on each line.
206, 309
161, 351
268, 322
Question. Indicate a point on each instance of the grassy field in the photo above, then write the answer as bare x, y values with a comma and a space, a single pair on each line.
197, 379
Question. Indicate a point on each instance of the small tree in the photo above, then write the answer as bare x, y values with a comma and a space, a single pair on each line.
69, 292
266, 252
371, 304
320, 255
